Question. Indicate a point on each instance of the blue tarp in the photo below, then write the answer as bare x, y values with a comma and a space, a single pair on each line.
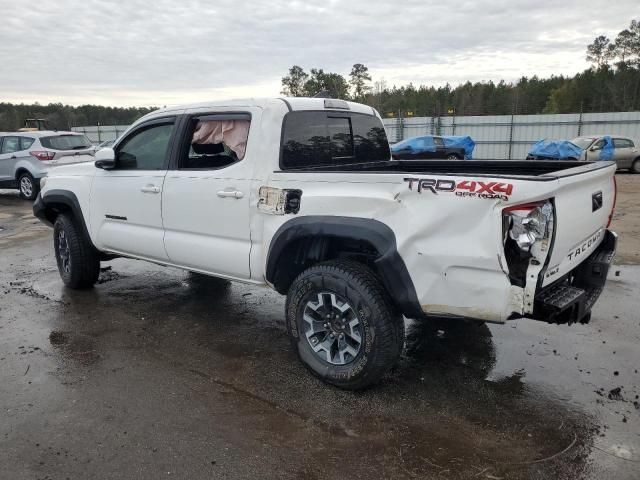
555, 149
461, 142
426, 144
607, 150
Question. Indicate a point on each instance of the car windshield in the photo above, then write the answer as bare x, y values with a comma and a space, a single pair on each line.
583, 142
66, 142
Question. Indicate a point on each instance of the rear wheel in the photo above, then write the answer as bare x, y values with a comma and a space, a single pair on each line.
635, 166
453, 156
28, 186
342, 324
78, 261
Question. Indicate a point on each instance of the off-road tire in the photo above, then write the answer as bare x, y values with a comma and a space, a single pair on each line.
24, 180
382, 325
83, 267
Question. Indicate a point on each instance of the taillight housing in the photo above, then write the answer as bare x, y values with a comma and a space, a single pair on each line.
42, 155
529, 225
527, 233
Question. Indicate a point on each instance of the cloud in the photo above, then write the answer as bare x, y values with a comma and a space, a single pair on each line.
167, 51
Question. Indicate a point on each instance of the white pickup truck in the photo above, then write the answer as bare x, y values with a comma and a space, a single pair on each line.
302, 195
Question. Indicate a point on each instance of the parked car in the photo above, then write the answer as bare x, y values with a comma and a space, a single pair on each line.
547, 149
431, 147
308, 202
625, 151
26, 157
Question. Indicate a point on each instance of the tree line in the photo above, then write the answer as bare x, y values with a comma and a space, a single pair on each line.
611, 84
63, 117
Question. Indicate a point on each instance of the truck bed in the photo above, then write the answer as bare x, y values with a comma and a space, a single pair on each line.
526, 169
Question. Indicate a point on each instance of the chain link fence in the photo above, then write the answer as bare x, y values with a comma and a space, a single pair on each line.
101, 133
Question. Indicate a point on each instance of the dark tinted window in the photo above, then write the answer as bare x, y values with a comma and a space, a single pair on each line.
145, 149
26, 142
622, 143
329, 138
66, 142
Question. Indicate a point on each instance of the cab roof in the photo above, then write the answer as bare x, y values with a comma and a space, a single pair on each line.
292, 103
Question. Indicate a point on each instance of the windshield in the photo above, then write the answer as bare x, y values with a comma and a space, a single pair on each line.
66, 142
583, 142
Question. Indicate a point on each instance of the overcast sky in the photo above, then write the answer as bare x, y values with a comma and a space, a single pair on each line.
164, 52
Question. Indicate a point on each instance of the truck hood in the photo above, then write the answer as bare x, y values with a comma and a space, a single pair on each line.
83, 169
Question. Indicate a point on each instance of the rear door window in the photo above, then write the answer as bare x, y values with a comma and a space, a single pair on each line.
622, 143
316, 139
10, 145
26, 142
66, 142
215, 141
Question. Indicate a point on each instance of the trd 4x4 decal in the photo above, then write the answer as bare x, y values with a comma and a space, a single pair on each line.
464, 188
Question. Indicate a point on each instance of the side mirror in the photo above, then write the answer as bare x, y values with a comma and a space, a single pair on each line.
105, 159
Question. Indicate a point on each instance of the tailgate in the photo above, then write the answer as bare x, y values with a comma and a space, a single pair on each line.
583, 205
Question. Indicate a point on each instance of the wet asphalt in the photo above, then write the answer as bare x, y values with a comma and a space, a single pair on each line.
159, 373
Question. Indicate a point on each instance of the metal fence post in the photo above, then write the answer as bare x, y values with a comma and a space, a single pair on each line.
510, 136
580, 121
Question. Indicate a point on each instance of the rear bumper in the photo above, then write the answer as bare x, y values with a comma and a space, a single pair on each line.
571, 299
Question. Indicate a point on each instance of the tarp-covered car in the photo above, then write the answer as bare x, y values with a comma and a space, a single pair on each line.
555, 150
450, 147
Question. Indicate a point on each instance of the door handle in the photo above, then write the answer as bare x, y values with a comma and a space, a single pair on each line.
150, 189
230, 193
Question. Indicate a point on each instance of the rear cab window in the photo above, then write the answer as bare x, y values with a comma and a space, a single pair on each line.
328, 138
66, 142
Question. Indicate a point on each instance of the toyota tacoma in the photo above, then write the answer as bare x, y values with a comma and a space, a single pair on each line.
302, 195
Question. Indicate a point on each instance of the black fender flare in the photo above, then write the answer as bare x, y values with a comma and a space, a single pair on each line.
389, 264
44, 208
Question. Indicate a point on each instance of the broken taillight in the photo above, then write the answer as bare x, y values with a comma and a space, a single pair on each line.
529, 224
42, 155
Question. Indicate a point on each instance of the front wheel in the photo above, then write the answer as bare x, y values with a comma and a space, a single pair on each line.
78, 261
28, 187
343, 325
453, 157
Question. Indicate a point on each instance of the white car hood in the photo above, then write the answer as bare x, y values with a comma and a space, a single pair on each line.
73, 166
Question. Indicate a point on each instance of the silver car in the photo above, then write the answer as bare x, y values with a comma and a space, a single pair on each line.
626, 152
25, 157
